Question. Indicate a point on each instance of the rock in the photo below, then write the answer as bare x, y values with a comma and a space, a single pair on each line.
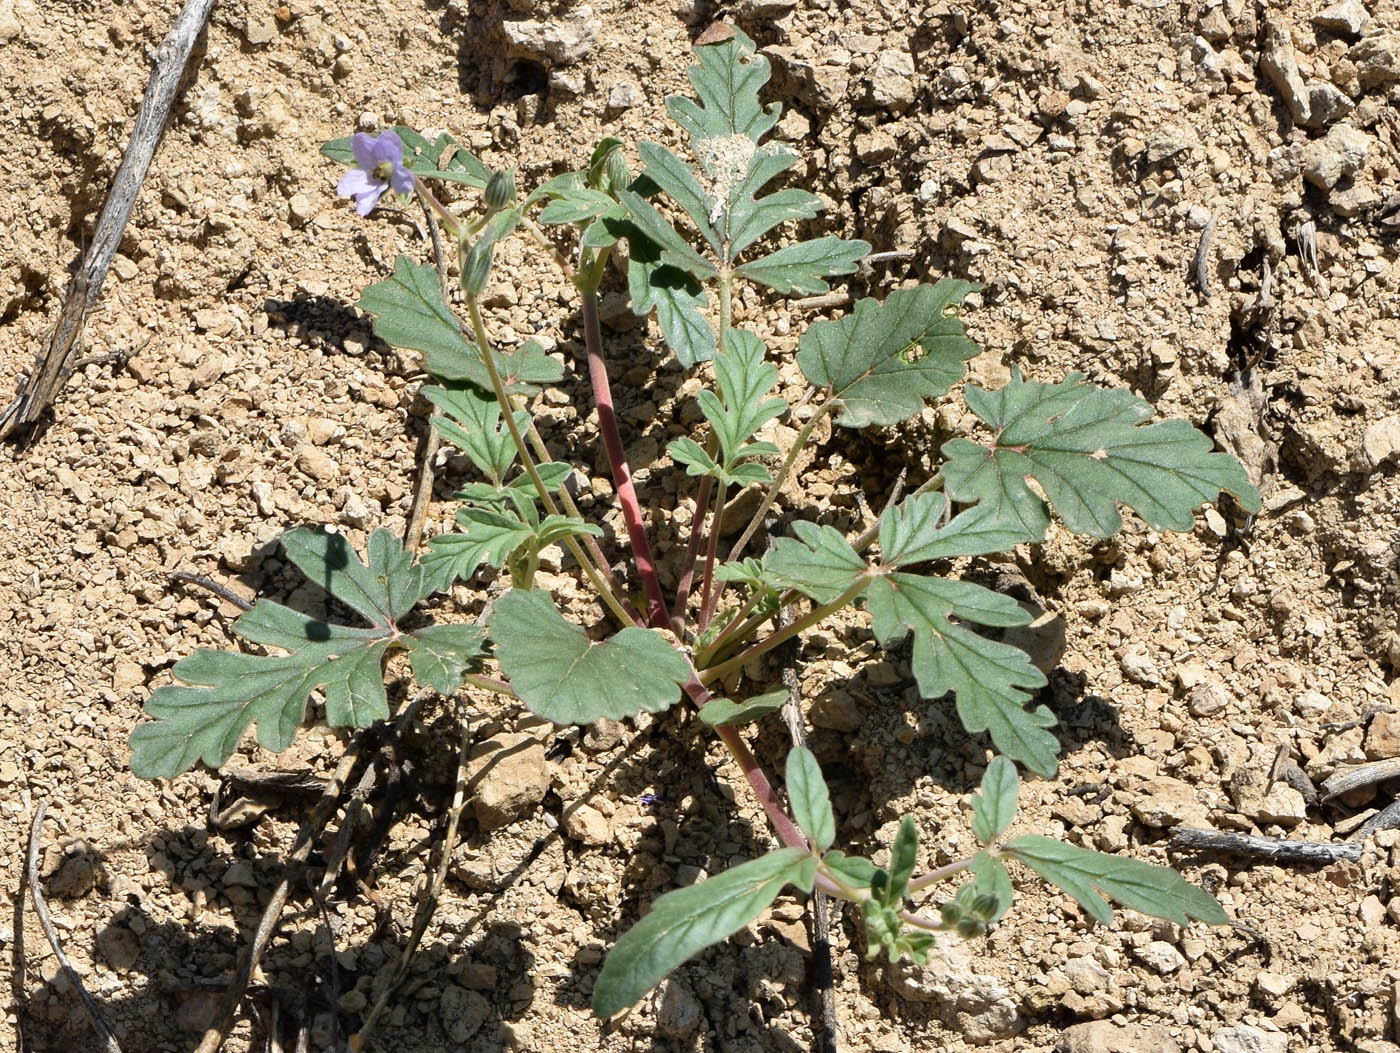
1166, 142
1138, 665
300, 210
1160, 956
1245, 1039
769, 9
1328, 103
874, 147
678, 1013
260, 28
587, 825
1377, 59
978, 1005
1215, 27
1273, 986
1104, 1036
814, 81
1043, 640
1281, 67
1381, 442
462, 1012
623, 96
561, 43
837, 710
1087, 976
891, 80
1207, 699
1281, 805
1336, 156
127, 676
119, 947
1383, 737
507, 776
1361, 196
1169, 802
10, 27
316, 463
1345, 16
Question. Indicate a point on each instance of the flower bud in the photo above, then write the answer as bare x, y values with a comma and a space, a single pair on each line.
969, 928
619, 178
500, 190
986, 905
951, 913
476, 266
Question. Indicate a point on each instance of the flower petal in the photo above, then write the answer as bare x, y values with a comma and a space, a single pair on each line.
389, 147
363, 147
355, 181
401, 179
365, 201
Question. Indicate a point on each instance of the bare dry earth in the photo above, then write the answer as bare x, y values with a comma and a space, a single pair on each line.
1069, 158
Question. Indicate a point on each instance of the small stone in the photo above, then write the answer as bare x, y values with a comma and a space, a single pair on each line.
874, 147
124, 268
770, 9
1383, 737
462, 1012
239, 874
1167, 802
1377, 59
1086, 975
837, 710
316, 463
679, 1013
979, 1005
119, 947
1207, 699
300, 210
260, 27
1281, 67
561, 43
322, 430
1312, 704
1328, 104
127, 676
622, 96
1281, 805
1336, 156
1381, 442
1104, 1036
10, 27
75, 878
1167, 142
1243, 1038
891, 80
1161, 957
1044, 639
1191, 674
587, 825
507, 776
1138, 665
1345, 16
1273, 986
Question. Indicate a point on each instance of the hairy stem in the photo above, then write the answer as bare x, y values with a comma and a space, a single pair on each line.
657, 614
943, 873
811, 618
451, 223
692, 552
707, 601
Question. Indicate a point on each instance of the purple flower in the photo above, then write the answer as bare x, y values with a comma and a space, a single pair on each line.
378, 166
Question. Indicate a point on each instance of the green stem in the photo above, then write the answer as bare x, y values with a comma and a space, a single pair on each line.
707, 607
943, 873
449, 221
811, 618
692, 552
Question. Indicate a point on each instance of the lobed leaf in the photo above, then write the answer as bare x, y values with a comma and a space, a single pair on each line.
684, 922
820, 563
994, 805
801, 267
675, 250
727, 82
914, 531
811, 803
883, 360
1090, 450
441, 655
563, 676
673, 294
1084, 873
673, 176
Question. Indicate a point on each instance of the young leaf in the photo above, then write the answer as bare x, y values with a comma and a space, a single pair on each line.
853, 870
668, 172
441, 655
565, 677
903, 857
994, 806
1090, 451
575, 204
673, 294
883, 360
821, 563
721, 712
473, 423
811, 803
424, 158
684, 922
801, 267
991, 680
914, 532
744, 377
221, 693
747, 217
727, 81
1083, 873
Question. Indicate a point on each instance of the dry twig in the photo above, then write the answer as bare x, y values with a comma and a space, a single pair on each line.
1359, 775
36, 896
55, 362
1272, 849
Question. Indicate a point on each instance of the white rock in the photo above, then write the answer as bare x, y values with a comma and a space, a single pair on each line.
1381, 442
1160, 956
1345, 16
1245, 1039
1338, 155
561, 43
1377, 59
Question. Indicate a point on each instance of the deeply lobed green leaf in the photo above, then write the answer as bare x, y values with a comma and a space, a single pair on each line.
727, 81
819, 563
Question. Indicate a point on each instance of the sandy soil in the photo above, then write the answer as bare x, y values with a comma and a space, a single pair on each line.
1068, 157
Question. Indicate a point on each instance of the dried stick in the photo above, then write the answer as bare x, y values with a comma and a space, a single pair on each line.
1200, 266
311, 829
109, 1040
821, 932
1272, 849
1388, 818
432, 889
423, 492
210, 585
1359, 775
52, 366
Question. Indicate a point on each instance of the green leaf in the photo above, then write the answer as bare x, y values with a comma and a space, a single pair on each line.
914, 531
673, 294
684, 922
994, 806
575, 204
744, 376
727, 81
565, 677
441, 655
1090, 451
221, 693
748, 217
721, 712
425, 158
989, 878
800, 267
672, 175
811, 803
883, 360
992, 681
1083, 873
473, 423
820, 563
853, 870
904, 855
409, 312
675, 250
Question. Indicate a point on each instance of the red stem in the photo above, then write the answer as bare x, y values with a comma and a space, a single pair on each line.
657, 615
708, 600
692, 552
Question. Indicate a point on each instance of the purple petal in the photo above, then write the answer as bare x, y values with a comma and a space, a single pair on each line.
401, 179
365, 201
355, 181
389, 147
363, 147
